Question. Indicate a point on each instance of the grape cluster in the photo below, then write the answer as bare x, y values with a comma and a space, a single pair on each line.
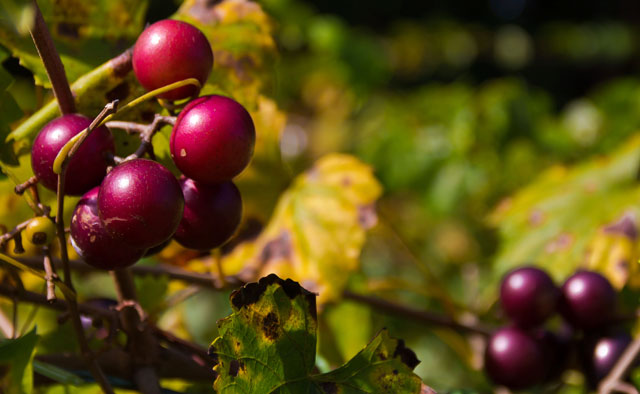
525, 353
137, 206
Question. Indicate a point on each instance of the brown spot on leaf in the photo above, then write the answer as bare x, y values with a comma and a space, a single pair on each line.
329, 387
251, 292
625, 226
407, 356
212, 353
119, 92
278, 248
121, 64
234, 367
271, 326
367, 216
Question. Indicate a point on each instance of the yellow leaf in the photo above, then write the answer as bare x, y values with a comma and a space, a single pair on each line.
317, 230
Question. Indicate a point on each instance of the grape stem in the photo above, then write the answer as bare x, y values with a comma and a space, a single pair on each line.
4, 238
145, 132
21, 188
72, 303
614, 382
50, 276
52, 63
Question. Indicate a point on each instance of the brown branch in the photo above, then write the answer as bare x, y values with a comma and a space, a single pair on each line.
196, 278
52, 63
416, 314
614, 382
140, 340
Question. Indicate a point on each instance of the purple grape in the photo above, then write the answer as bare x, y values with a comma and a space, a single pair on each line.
588, 300
213, 139
93, 243
169, 51
602, 354
515, 359
140, 203
211, 215
528, 296
87, 167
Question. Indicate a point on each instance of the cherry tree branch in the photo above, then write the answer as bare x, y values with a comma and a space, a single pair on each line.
52, 63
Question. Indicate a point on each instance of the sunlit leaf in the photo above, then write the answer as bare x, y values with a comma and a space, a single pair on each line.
268, 345
555, 220
318, 228
86, 34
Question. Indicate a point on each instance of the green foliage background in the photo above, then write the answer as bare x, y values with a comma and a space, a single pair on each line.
381, 165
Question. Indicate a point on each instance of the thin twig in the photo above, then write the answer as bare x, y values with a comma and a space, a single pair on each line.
140, 340
614, 382
200, 279
94, 367
50, 275
145, 132
52, 63
21, 188
415, 314
13, 233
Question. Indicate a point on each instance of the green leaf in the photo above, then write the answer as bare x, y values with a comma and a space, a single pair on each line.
268, 345
317, 230
85, 33
564, 219
16, 355
56, 373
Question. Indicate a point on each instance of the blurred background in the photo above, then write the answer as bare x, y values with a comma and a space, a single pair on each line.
458, 106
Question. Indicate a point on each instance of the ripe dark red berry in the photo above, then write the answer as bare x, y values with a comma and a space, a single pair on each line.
140, 203
588, 300
515, 359
213, 139
212, 214
602, 355
87, 167
169, 51
92, 241
528, 296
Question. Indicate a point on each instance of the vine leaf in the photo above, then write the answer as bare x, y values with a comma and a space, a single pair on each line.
268, 345
16, 356
317, 230
86, 34
546, 221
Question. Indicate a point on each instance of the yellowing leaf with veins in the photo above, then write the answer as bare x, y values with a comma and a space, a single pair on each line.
317, 230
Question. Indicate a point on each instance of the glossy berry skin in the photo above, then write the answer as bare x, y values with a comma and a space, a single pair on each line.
588, 300
515, 359
140, 203
169, 51
528, 296
92, 241
602, 355
87, 167
212, 214
40, 231
213, 139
